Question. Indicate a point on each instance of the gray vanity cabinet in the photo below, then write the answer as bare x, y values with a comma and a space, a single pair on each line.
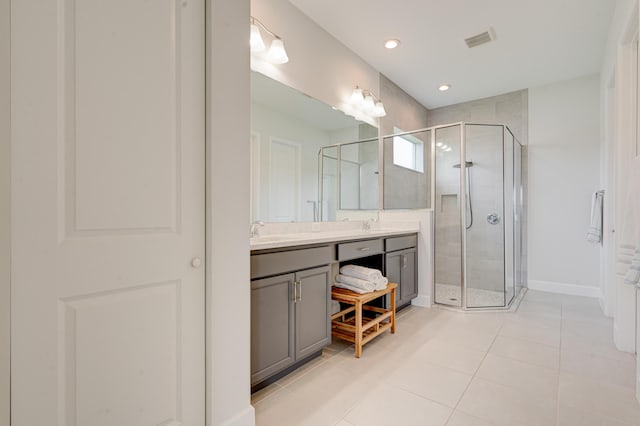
290, 320
401, 267
272, 326
312, 311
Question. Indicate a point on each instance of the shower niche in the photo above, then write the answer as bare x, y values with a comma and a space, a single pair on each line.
477, 216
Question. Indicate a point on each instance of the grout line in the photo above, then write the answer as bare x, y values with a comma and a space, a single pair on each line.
473, 376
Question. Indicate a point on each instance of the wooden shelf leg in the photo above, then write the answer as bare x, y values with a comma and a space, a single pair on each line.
358, 329
393, 310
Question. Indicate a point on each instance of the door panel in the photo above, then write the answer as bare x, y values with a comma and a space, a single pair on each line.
313, 327
284, 181
447, 239
108, 208
408, 288
393, 272
486, 216
272, 325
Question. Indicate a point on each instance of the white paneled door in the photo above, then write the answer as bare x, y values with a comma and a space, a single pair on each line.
108, 212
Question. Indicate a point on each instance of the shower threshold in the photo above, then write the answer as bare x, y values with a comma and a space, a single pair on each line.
449, 296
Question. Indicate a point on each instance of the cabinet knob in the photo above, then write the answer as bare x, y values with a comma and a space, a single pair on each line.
196, 262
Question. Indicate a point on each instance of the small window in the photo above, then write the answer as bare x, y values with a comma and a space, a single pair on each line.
408, 152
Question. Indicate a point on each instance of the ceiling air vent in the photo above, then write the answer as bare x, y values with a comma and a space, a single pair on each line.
481, 38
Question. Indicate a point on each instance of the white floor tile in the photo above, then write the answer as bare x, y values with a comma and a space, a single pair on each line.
542, 309
501, 405
539, 382
590, 396
569, 416
458, 335
321, 397
433, 382
601, 332
459, 358
264, 393
526, 351
458, 418
543, 297
615, 372
596, 347
387, 405
549, 336
343, 423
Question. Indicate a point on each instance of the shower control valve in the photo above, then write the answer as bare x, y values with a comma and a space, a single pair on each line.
493, 218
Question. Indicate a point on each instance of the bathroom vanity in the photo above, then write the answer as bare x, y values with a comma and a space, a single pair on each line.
291, 279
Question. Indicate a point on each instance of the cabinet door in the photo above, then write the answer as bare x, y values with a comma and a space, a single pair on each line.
272, 326
393, 271
400, 267
313, 322
408, 276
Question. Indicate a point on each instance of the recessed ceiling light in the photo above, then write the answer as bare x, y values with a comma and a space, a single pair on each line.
444, 87
392, 43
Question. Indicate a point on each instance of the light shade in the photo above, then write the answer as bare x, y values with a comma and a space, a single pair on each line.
378, 110
357, 97
369, 105
255, 41
277, 54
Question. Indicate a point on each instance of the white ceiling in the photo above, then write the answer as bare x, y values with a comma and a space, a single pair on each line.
537, 42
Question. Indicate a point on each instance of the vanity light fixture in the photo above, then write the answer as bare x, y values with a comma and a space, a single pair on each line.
392, 43
444, 87
366, 103
276, 53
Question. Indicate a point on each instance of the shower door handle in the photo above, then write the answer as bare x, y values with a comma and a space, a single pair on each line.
493, 219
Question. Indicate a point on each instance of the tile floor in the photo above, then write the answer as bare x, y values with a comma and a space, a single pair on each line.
553, 362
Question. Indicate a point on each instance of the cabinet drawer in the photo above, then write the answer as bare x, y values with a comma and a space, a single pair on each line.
358, 249
263, 265
399, 243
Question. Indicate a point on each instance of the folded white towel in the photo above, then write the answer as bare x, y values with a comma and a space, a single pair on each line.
350, 287
367, 274
335, 307
633, 275
594, 235
356, 282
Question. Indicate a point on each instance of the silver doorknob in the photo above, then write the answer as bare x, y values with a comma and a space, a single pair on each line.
493, 218
196, 262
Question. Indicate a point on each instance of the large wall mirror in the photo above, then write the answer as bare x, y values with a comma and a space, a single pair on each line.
291, 135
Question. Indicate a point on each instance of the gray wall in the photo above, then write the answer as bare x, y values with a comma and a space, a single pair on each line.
510, 109
403, 188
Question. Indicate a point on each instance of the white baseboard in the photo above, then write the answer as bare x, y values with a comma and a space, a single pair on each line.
563, 288
245, 418
422, 300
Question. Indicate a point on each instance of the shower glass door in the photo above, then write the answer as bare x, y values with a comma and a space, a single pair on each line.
488, 163
448, 243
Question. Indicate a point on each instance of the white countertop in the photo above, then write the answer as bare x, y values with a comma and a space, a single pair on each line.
323, 233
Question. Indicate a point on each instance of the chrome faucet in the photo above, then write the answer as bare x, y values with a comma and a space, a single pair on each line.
366, 225
255, 228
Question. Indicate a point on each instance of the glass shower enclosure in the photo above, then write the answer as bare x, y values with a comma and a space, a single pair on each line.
477, 216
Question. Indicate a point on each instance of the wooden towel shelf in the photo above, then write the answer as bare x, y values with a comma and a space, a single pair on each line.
356, 328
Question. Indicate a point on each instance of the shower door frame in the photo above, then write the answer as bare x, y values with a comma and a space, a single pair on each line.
517, 212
